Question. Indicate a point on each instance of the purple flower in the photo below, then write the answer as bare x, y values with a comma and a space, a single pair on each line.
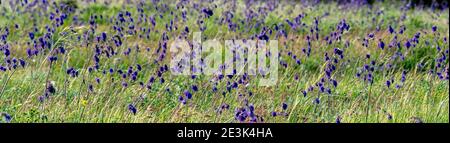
334, 82
151, 80
52, 58
274, 114
381, 44
132, 109
91, 88
338, 51
391, 30
214, 89
62, 50
317, 101
304, 93
138, 67
187, 94
50, 88
22, 62
181, 99
31, 35
371, 35
7, 117
403, 76
194, 88
434, 28
29, 52
186, 29
124, 84
208, 12
6, 52
284, 106
407, 44
41, 98
104, 36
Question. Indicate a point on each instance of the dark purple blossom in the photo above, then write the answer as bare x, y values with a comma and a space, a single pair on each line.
434, 28
132, 109
194, 88
284, 106
187, 94
274, 114
7, 117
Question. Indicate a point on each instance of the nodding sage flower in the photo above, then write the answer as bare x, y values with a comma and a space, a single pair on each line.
335, 83
304, 93
338, 51
62, 50
132, 109
208, 12
97, 80
72, 72
138, 67
338, 119
274, 114
317, 101
50, 88
407, 44
31, 34
241, 114
104, 36
41, 98
151, 80
52, 59
391, 30
380, 44
214, 89
7, 117
194, 88
181, 99
7, 52
124, 84
187, 94
403, 76
30, 52
371, 35
22, 63
91, 88
284, 106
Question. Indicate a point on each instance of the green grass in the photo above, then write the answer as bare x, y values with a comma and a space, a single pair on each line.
422, 95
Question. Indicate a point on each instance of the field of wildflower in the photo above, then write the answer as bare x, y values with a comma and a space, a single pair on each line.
110, 61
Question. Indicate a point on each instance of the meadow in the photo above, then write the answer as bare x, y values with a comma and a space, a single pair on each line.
108, 61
